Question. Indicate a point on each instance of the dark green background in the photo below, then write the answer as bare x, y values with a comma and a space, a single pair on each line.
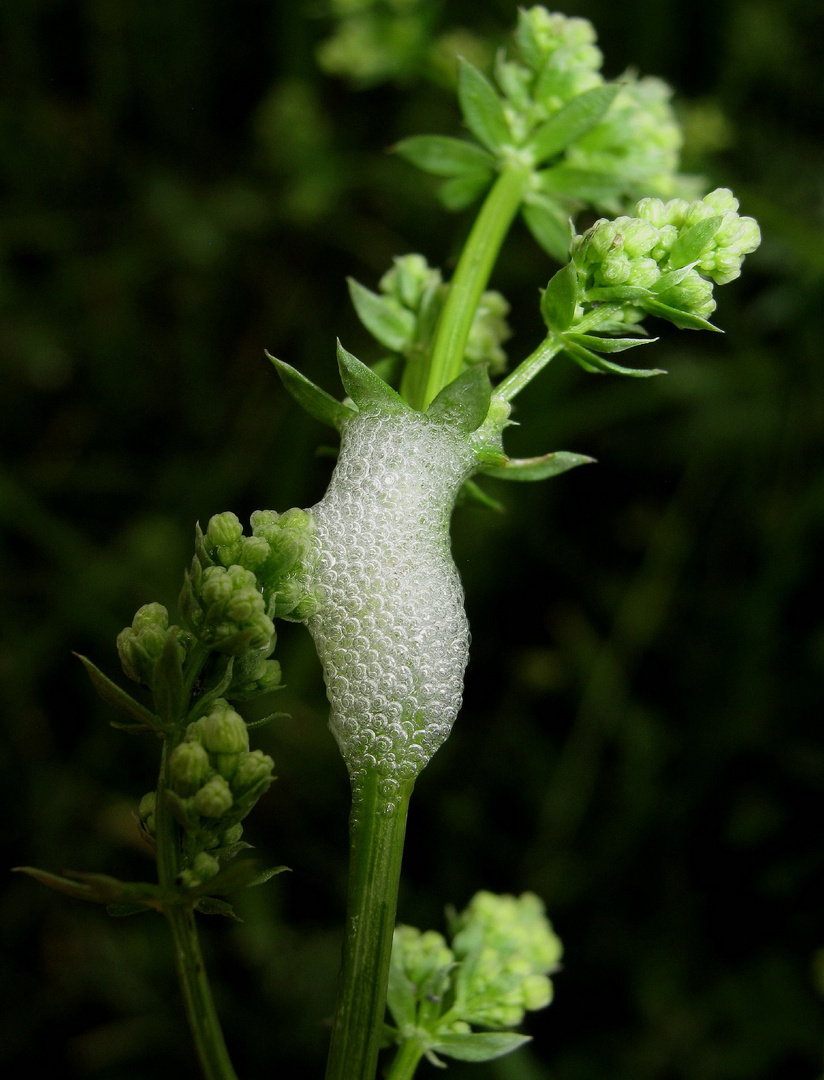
182, 187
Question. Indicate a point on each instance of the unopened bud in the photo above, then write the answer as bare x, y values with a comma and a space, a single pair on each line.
214, 798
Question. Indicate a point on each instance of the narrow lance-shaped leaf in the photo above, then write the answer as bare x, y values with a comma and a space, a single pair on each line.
685, 320
384, 318
464, 403
479, 1045
482, 108
114, 695
538, 468
691, 244
365, 388
442, 155
312, 398
571, 122
609, 344
592, 362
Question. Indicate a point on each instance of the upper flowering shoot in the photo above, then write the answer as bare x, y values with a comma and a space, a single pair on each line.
498, 967
578, 139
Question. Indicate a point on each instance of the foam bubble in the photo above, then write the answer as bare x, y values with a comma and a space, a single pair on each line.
391, 631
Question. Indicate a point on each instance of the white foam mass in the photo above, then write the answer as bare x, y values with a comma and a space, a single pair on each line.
391, 631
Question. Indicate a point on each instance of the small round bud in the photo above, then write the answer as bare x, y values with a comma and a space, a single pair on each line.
146, 812
537, 992
188, 767
232, 835
252, 768
223, 530
140, 644
214, 798
225, 736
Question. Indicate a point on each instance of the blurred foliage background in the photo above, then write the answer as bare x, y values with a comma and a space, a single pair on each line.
187, 183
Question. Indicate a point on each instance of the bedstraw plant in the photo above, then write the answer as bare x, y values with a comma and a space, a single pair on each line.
368, 569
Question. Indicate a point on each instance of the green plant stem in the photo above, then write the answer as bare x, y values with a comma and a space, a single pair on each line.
406, 1060
180, 915
526, 371
376, 851
471, 277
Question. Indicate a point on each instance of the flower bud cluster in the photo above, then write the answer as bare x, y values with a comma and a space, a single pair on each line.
215, 782
286, 575
141, 645
413, 287
559, 61
239, 584
639, 139
498, 966
642, 250
507, 950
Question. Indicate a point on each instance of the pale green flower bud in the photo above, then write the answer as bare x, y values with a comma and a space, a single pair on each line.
639, 237
231, 836
146, 812
252, 769
644, 273
614, 270
204, 867
224, 730
488, 331
140, 645
233, 617
223, 530
537, 992
214, 798
409, 280
189, 767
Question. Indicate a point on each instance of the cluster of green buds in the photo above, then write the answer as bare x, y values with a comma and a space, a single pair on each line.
498, 968
215, 782
662, 259
239, 584
403, 314
581, 140
142, 645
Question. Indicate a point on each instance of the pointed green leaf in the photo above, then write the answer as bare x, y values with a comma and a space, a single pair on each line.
671, 278
464, 403
560, 298
538, 468
482, 108
112, 694
571, 122
693, 242
266, 875
365, 388
445, 156
96, 888
479, 1045
685, 320
383, 317
462, 191
311, 398
609, 344
549, 224
210, 905
472, 492
130, 729
590, 361
122, 910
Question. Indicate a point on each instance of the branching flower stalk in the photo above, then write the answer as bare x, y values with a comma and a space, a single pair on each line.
368, 569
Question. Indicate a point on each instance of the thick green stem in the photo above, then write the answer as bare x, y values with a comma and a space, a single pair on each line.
376, 851
471, 277
191, 971
406, 1061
